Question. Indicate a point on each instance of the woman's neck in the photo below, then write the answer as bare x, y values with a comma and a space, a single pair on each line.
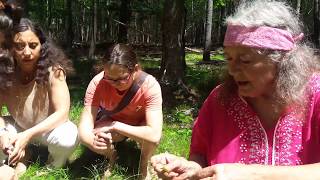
25, 77
268, 109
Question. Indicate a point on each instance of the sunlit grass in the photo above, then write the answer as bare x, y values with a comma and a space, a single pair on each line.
175, 140
193, 58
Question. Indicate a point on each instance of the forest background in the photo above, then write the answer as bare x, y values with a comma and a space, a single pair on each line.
177, 41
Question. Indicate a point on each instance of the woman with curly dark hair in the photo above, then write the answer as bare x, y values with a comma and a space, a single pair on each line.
38, 99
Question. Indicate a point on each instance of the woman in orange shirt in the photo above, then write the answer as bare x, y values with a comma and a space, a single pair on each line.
140, 119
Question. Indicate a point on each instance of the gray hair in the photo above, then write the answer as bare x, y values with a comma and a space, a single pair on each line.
295, 67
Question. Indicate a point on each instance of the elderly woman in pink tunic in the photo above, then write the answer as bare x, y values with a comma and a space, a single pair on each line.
263, 122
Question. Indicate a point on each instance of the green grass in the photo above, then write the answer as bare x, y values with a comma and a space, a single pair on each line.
193, 58
175, 140
177, 131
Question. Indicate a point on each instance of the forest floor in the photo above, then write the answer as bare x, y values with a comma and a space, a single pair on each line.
179, 109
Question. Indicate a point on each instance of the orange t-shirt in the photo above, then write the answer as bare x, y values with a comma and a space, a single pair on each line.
147, 98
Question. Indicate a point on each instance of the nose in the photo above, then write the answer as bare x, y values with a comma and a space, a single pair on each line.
27, 51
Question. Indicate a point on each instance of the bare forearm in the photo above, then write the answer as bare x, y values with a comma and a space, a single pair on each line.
51, 122
263, 172
303, 172
138, 133
86, 126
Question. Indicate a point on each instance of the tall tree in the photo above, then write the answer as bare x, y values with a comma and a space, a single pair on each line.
173, 28
316, 23
68, 24
93, 30
49, 11
125, 14
208, 41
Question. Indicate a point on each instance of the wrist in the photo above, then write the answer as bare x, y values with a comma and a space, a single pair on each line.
194, 164
115, 126
87, 139
28, 133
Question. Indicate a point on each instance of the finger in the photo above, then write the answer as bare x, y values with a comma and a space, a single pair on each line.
15, 149
159, 159
102, 140
159, 168
166, 175
106, 136
18, 158
206, 172
99, 139
100, 144
14, 158
175, 165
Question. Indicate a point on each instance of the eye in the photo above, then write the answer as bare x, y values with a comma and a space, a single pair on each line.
20, 46
33, 45
227, 57
245, 59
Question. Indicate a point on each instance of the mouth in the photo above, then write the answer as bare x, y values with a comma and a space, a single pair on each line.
242, 83
27, 61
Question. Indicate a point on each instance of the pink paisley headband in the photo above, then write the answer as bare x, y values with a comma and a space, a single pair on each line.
262, 37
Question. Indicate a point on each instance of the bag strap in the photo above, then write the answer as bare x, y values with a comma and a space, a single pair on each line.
103, 113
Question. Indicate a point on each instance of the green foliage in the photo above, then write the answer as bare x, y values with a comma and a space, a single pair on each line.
183, 117
75, 112
150, 62
4, 111
175, 140
147, 8
218, 57
36, 172
193, 58
203, 78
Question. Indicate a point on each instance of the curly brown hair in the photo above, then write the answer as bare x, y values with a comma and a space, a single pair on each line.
9, 15
50, 55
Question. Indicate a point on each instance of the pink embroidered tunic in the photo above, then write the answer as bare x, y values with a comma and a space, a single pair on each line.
232, 132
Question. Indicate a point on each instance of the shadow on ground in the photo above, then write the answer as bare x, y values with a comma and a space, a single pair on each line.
90, 165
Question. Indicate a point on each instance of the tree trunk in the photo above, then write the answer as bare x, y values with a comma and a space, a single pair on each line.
223, 15
124, 18
207, 45
198, 33
68, 24
49, 20
94, 30
173, 28
316, 23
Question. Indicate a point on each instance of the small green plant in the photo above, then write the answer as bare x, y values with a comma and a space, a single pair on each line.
183, 117
4, 111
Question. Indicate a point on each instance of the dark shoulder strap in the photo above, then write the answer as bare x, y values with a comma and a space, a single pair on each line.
103, 113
